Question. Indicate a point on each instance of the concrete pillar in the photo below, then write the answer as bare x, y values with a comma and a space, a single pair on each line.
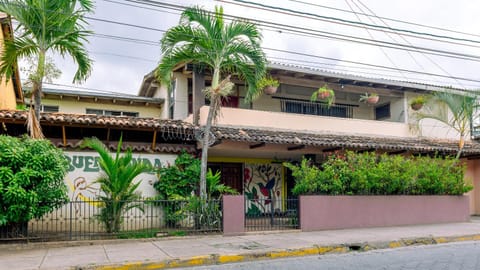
233, 215
198, 98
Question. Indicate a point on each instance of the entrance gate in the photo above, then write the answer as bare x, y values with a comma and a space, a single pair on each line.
269, 215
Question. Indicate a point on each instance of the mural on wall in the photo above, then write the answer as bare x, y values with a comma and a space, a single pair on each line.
263, 188
84, 170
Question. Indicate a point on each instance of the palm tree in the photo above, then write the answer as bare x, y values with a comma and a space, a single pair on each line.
227, 49
116, 182
45, 26
462, 108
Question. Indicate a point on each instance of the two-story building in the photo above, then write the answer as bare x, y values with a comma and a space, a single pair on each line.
253, 139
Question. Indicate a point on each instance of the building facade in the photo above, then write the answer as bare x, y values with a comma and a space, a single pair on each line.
253, 139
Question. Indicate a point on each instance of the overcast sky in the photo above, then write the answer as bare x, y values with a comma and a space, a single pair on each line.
119, 66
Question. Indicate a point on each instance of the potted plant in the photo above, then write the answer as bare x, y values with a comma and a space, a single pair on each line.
268, 84
324, 94
418, 102
371, 98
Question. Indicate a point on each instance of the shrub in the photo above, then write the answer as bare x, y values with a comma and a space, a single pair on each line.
31, 179
371, 174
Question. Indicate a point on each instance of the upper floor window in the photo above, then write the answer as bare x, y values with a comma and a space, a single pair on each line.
112, 113
47, 108
382, 112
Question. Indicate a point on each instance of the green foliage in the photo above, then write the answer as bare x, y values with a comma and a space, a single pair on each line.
31, 179
215, 189
324, 93
179, 180
418, 100
370, 174
116, 183
267, 81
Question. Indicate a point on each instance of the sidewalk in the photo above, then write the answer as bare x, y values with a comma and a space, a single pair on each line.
199, 250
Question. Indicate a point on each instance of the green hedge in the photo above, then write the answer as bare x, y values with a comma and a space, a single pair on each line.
370, 174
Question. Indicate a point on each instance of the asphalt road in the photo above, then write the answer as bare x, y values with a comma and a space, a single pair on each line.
454, 256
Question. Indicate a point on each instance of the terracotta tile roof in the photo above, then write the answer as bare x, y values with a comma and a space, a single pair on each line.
99, 120
135, 146
330, 140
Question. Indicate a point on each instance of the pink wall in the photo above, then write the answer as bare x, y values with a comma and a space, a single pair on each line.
341, 212
233, 215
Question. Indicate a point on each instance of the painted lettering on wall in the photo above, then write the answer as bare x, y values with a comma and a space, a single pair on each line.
84, 170
90, 163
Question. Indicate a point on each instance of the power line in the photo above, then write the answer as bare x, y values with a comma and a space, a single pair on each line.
389, 19
341, 20
333, 59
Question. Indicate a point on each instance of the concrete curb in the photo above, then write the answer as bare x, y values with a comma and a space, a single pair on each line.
263, 255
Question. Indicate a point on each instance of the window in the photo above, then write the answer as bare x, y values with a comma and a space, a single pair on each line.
111, 113
47, 108
382, 112
315, 108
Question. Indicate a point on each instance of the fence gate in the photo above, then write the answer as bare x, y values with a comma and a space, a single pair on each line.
271, 214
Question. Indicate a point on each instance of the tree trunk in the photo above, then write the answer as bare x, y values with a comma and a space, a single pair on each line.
205, 145
206, 134
33, 126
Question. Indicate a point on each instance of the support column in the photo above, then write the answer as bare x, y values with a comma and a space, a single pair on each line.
233, 215
198, 98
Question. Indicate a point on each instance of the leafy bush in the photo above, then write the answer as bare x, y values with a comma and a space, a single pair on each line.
370, 174
31, 179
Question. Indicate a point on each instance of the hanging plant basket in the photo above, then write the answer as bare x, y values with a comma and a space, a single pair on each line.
373, 100
323, 95
416, 106
270, 90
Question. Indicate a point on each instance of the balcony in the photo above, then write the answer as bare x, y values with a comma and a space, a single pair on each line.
305, 122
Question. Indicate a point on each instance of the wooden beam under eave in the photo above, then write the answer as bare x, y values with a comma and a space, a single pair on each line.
296, 147
331, 149
108, 135
397, 152
154, 141
64, 136
253, 146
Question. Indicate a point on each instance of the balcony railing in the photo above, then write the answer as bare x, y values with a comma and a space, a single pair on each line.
316, 108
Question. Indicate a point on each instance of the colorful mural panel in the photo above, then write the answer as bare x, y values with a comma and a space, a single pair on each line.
263, 187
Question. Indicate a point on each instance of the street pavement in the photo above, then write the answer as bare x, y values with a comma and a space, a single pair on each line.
160, 253
451, 256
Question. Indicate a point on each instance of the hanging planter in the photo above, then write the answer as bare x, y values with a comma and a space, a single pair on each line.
268, 84
418, 102
372, 98
324, 94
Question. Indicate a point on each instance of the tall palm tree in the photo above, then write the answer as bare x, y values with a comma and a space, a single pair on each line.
461, 109
46, 26
116, 182
225, 48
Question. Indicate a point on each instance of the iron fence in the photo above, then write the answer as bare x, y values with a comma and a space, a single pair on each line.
84, 220
271, 214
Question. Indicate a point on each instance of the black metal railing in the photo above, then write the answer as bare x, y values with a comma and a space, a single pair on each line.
82, 220
316, 108
271, 214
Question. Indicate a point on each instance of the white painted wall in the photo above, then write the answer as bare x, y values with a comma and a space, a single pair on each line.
180, 96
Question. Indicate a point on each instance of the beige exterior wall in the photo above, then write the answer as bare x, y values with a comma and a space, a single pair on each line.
70, 106
180, 96
8, 100
309, 123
